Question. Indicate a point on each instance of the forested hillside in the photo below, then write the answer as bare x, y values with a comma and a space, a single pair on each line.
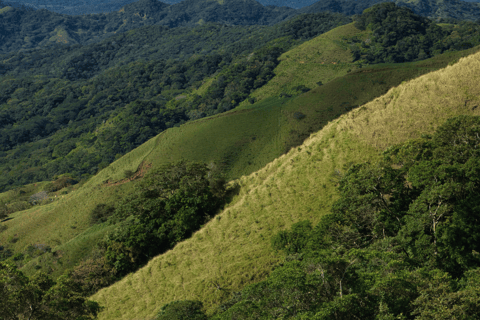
433, 9
452, 9
58, 113
24, 29
364, 261
78, 108
205, 167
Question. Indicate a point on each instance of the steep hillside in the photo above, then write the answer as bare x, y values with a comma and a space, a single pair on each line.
315, 62
101, 80
257, 134
234, 249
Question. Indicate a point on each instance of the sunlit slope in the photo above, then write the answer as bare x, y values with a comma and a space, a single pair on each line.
321, 59
234, 249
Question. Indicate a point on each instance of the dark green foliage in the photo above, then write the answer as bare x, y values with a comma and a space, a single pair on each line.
93, 274
294, 241
81, 124
301, 89
401, 242
184, 309
169, 205
27, 29
41, 298
446, 9
399, 35
60, 183
100, 213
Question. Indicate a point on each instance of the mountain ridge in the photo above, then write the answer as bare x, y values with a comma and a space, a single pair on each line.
38, 26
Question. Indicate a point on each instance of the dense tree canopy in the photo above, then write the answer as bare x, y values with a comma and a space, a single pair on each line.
41, 298
399, 35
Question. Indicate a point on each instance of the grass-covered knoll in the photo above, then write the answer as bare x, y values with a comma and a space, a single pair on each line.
240, 141
234, 249
321, 59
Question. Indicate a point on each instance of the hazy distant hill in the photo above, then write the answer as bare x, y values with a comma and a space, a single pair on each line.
430, 8
23, 28
78, 7
455, 9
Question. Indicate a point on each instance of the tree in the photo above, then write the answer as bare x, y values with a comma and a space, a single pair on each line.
184, 309
168, 206
439, 300
41, 298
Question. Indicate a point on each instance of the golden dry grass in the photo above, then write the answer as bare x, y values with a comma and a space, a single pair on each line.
234, 249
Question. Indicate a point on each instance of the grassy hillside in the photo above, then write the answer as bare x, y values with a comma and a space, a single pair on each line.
240, 141
234, 249
322, 59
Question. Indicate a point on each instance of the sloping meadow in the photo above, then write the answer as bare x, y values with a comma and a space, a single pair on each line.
233, 249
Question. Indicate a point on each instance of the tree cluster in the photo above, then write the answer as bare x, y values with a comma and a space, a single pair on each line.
448, 9
399, 35
41, 298
168, 205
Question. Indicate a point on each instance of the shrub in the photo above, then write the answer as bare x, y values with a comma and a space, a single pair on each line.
298, 115
180, 310
101, 213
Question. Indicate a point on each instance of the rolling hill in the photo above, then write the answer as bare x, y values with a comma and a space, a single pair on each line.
233, 249
258, 134
283, 142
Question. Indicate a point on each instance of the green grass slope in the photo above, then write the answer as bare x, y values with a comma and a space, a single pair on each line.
240, 141
233, 249
323, 58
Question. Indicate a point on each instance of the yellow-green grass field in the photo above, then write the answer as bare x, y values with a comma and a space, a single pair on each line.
233, 249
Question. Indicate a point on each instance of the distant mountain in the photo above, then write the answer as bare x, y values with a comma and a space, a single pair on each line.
453, 9
23, 29
194, 12
79, 7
